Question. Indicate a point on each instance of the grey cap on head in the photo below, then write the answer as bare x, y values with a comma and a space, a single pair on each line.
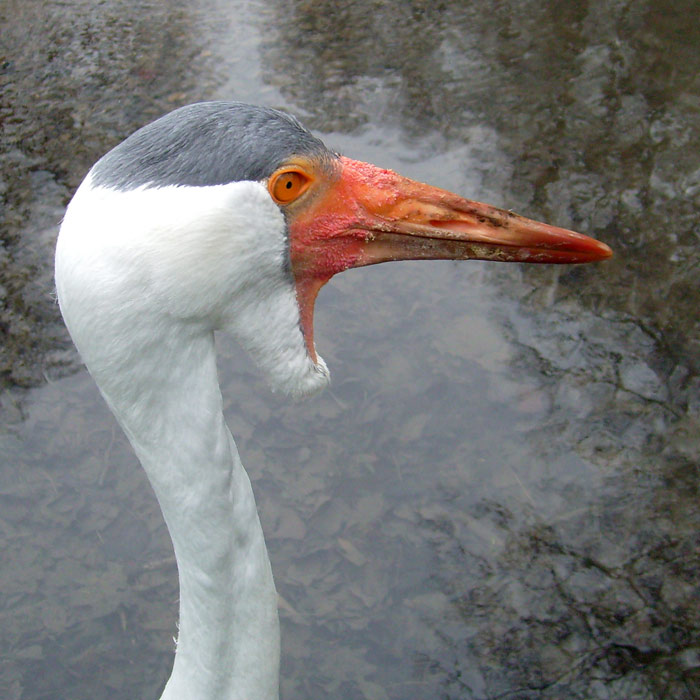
208, 143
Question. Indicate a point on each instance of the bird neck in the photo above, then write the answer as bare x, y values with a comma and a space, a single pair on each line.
228, 642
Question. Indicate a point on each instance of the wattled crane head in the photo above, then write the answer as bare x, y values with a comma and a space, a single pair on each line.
225, 215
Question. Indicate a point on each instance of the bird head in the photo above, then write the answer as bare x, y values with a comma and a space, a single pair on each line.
224, 215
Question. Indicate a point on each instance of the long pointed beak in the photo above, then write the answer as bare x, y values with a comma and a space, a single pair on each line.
369, 215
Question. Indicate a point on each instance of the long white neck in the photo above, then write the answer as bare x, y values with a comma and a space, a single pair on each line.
143, 276
228, 643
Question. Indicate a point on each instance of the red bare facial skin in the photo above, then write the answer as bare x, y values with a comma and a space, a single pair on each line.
364, 215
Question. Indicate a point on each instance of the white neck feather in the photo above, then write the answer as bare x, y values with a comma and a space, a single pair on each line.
228, 643
144, 277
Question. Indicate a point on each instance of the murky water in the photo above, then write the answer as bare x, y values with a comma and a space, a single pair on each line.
498, 498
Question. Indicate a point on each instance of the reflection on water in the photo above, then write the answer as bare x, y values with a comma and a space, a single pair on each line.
498, 496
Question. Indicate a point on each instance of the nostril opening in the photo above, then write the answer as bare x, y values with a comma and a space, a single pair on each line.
453, 225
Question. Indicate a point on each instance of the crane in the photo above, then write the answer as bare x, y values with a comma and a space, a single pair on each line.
222, 215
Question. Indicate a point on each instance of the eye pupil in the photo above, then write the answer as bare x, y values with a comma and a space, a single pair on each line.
289, 184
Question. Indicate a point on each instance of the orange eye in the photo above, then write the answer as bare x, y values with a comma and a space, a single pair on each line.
286, 185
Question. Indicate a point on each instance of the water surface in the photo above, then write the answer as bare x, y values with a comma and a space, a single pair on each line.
498, 497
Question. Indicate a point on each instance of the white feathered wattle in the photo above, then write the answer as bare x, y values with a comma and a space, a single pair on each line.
144, 278
196, 258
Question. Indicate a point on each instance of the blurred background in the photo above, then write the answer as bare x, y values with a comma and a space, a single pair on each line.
498, 496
